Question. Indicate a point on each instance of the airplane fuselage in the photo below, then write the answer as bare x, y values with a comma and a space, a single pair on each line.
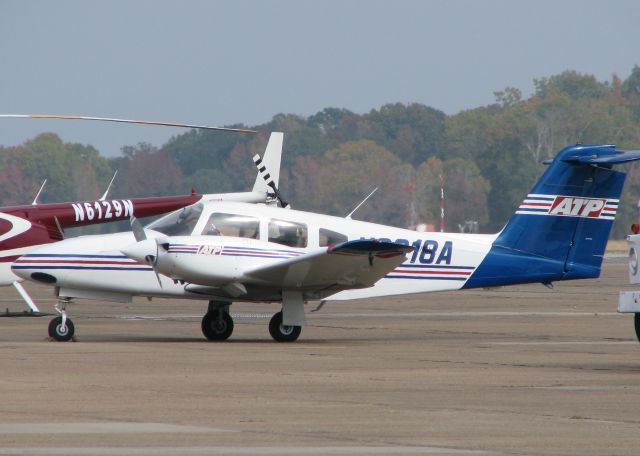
94, 266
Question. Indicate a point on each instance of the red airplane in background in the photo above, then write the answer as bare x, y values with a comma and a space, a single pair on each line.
22, 228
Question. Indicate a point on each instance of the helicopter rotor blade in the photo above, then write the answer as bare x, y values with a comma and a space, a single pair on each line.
131, 121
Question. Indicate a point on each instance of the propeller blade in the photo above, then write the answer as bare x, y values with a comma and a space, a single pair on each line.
155, 262
146, 250
158, 277
138, 230
131, 121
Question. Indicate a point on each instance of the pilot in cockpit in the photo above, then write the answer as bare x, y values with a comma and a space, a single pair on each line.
212, 230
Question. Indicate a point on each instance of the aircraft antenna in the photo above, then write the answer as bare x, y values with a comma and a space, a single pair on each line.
35, 200
106, 192
361, 203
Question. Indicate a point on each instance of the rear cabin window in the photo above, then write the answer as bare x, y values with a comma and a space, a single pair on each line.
178, 223
328, 237
232, 225
287, 233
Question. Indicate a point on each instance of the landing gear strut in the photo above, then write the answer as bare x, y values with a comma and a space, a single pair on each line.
283, 333
217, 324
61, 328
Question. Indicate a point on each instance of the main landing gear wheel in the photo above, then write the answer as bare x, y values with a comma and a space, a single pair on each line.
636, 324
217, 325
60, 332
282, 333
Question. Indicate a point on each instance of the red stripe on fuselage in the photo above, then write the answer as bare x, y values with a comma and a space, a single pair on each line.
536, 204
409, 271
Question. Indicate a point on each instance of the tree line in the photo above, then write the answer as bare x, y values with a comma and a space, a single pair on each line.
487, 157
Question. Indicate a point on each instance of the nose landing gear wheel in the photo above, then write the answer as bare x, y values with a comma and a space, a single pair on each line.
283, 333
59, 332
217, 325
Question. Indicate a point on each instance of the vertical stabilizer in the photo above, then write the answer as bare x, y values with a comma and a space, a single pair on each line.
560, 230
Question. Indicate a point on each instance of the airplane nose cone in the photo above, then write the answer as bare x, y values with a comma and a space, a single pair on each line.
143, 251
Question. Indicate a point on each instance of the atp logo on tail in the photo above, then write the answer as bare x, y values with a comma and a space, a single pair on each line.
581, 207
569, 206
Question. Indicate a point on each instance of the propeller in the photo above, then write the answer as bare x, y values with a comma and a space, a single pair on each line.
141, 236
138, 230
111, 119
262, 169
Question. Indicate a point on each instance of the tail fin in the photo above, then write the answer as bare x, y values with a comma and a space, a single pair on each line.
271, 159
560, 230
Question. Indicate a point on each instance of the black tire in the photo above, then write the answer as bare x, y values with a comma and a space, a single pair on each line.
57, 332
215, 328
282, 333
636, 324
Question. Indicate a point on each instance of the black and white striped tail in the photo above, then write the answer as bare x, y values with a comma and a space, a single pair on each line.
262, 169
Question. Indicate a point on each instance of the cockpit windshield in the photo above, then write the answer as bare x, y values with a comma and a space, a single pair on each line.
179, 223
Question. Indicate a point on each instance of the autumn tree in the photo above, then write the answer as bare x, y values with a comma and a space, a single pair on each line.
15, 188
355, 168
573, 84
466, 192
412, 132
73, 171
147, 171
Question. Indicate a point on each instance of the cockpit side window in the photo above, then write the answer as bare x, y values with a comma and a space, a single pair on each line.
232, 225
291, 234
179, 223
329, 237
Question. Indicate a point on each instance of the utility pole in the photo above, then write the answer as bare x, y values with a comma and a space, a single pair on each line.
441, 204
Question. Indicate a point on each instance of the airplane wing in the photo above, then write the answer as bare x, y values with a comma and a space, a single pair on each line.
351, 264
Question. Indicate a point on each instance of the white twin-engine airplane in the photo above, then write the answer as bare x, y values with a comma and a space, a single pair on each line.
234, 252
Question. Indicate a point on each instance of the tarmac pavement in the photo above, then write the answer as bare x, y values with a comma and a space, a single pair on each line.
518, 371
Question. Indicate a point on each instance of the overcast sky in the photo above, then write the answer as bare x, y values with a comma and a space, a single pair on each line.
224, 62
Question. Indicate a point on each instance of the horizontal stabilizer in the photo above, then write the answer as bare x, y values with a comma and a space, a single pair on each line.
602, 155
